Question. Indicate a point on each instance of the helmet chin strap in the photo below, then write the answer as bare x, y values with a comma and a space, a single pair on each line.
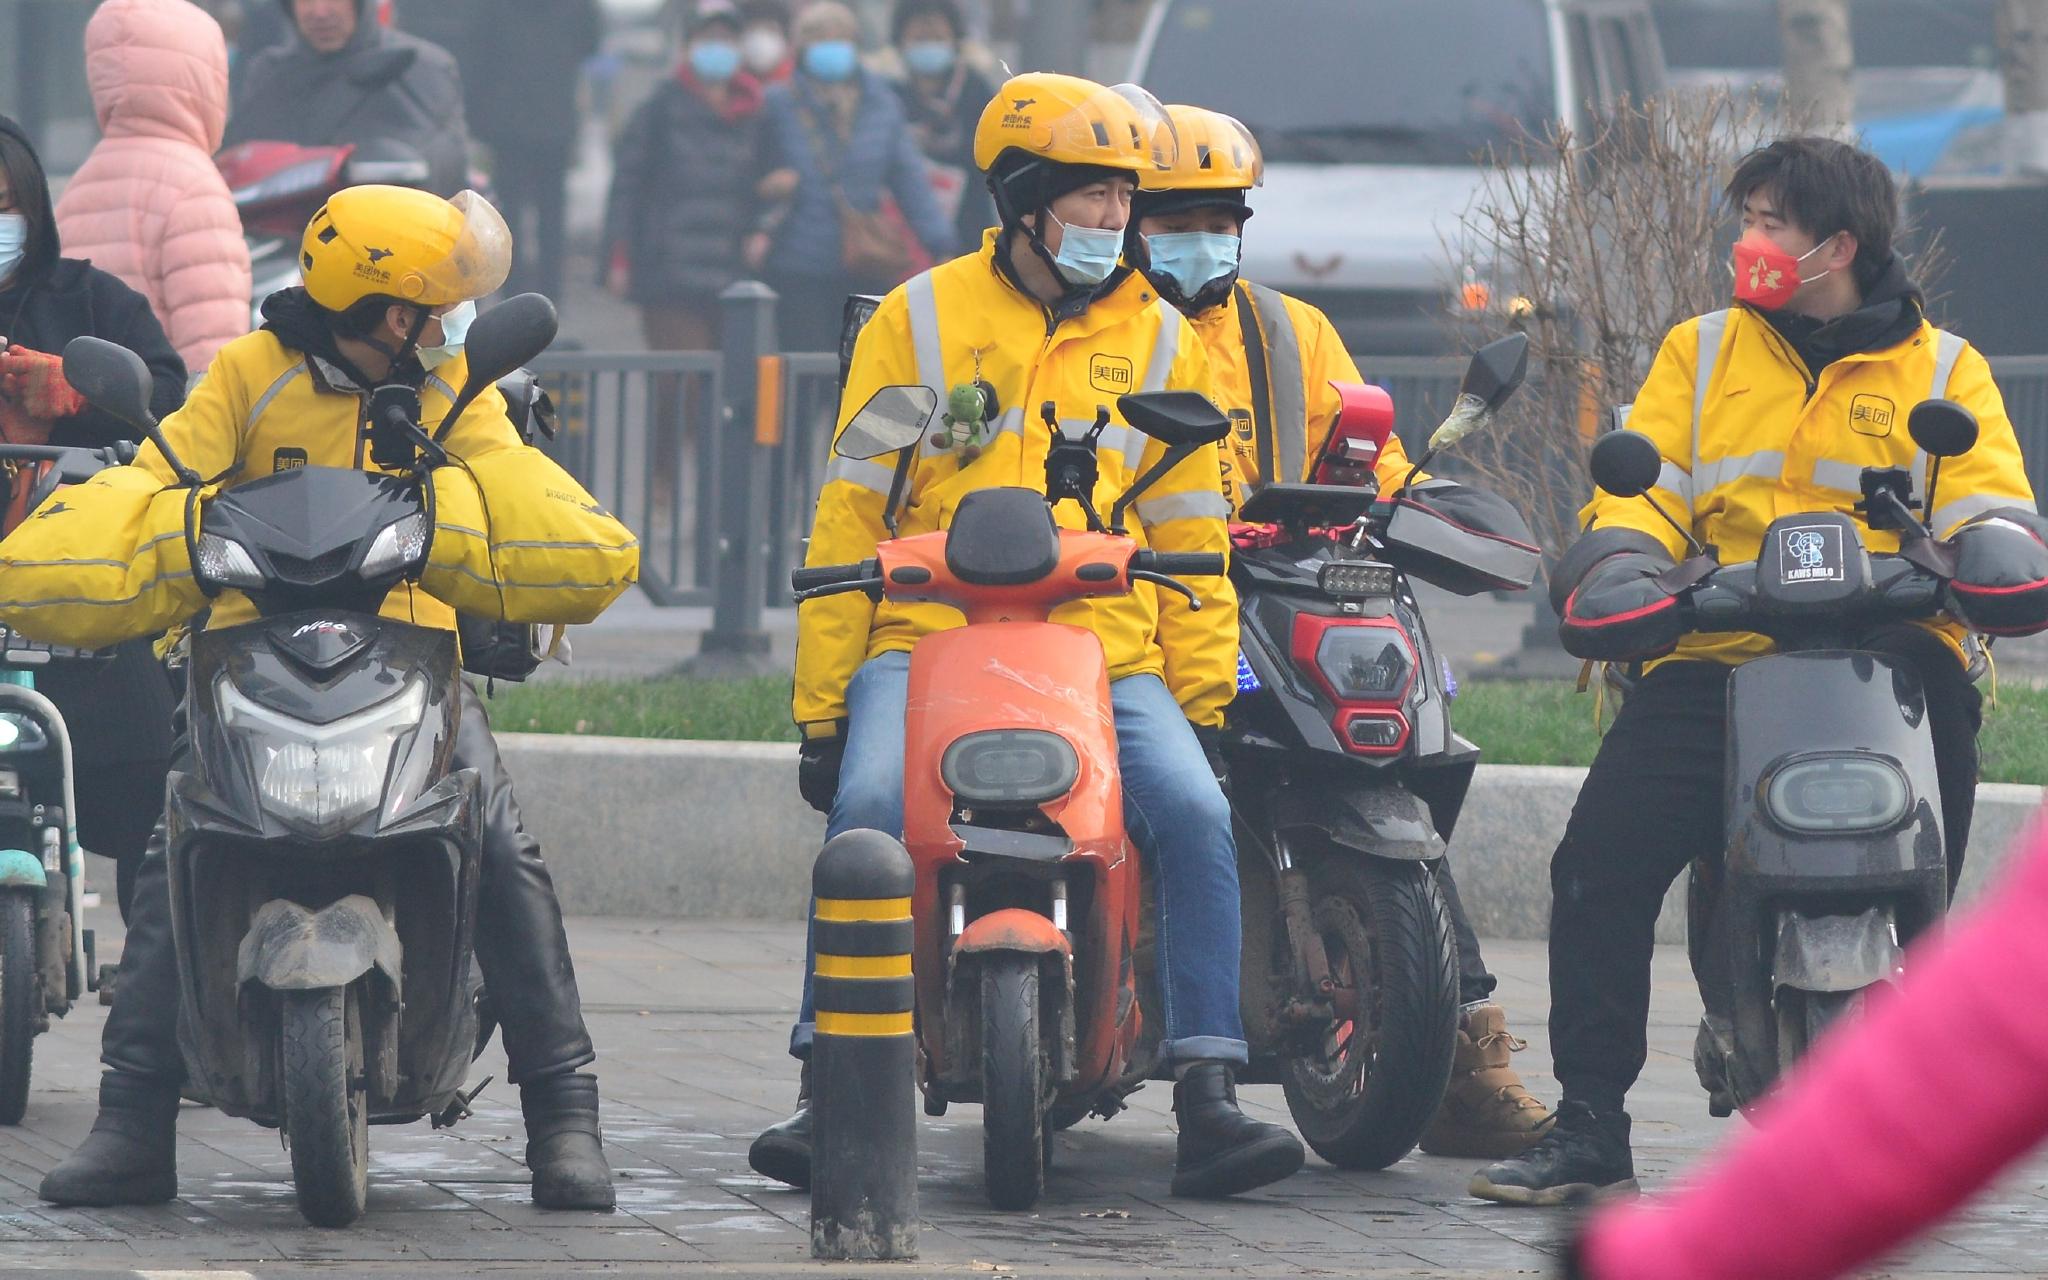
410, 347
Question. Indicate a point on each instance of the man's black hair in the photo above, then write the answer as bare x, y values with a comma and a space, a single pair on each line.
906, 10
1824, 187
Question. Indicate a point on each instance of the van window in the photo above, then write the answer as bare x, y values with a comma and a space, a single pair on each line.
1362, 81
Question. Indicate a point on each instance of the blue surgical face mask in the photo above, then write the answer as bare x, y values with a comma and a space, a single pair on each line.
454, 332
1086, 254
933, 58
1192, 259
830, 60
714, 61
13, 242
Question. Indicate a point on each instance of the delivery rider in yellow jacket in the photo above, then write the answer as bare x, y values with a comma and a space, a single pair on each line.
1770, 408
1044, 312
1272, 359
392, 276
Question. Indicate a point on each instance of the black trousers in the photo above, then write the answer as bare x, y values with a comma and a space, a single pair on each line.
520, 942
1651, 804
1475, 981
531, 180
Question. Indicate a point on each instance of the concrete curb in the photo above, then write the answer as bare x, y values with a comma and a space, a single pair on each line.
715, 830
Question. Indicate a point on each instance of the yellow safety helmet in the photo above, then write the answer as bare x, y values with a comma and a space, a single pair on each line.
1045, 134
407, 245
1217, 162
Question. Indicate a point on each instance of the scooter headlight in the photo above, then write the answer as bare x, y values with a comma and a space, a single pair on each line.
1010, 767
21, 733
1838, 794
227, 563
322, 778
398, 545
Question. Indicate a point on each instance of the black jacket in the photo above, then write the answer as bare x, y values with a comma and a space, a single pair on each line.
944, 129
382, 84
682, 196
120, 711
521, 68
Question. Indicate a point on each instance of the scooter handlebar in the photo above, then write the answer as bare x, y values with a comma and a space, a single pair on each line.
823, 577
1179, 564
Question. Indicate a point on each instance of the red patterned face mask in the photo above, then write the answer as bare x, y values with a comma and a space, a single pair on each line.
1767, 276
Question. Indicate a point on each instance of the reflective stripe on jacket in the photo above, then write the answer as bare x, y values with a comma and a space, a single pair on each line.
963, 320
1748, 436
1281, 407
553, 554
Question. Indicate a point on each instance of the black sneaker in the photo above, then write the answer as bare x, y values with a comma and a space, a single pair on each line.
1584, 1156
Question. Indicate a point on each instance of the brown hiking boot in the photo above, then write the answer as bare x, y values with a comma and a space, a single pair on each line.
1486, 1113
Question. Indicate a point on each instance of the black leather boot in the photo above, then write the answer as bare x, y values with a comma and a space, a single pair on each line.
1222, 1151
131, 1155
564, 1148
783, 1151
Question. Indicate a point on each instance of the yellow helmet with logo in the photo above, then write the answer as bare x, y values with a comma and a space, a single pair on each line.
1045, 134
407, 245
1216, 163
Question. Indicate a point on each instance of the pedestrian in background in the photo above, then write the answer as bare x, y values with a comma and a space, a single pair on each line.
148, 206
942, 97
764, 40
521, 74
682, 197
857, 214
119, 714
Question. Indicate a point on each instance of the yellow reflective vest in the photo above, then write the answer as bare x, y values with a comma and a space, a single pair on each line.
1273, 358
1748, 434
963, 320
515, 537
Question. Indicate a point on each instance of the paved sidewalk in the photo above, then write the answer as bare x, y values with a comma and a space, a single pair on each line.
691, 1019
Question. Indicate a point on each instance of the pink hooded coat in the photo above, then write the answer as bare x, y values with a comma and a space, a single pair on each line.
1901, 1114
148, 205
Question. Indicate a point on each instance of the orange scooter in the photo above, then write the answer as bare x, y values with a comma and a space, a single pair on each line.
1026, 904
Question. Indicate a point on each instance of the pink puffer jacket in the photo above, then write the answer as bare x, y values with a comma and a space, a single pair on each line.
1900, 1115
148, 205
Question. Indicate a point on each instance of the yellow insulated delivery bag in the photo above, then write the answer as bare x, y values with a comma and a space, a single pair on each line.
549, 555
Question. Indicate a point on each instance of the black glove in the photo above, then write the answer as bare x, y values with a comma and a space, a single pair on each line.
817, 771
1211, 738
2001, 582
1612, 607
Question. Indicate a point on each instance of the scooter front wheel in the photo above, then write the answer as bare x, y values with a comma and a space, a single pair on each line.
1803, 1017
1377, 1074
1013, 1091
21, 1001
326, 1107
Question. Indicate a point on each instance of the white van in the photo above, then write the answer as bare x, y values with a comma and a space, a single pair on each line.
1371, 114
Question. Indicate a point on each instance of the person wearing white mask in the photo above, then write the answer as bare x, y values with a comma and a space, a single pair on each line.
120, 714
859, 216
943, 94
764, 40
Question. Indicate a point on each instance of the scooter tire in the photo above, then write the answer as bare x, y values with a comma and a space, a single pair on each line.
326, 1105
1367, 1115
1013, 1088
21, 1001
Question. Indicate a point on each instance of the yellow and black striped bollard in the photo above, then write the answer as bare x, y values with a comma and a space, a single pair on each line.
863, 1055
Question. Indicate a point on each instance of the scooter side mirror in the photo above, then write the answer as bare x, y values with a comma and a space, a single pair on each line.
499, 342
1497, 370
1178, 419
1626, 464
112, 378
1942, 428
894, 418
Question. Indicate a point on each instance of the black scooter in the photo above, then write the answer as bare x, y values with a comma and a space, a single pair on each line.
1347, 779
1834, 858
323, 852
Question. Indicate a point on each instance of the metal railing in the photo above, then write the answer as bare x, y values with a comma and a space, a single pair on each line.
714, 458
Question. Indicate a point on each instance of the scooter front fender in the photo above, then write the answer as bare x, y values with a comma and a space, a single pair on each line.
289, 948
1836, 953
20, 869
1013, 929
1381, 822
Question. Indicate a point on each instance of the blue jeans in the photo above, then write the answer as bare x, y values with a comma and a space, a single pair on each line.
1173, 809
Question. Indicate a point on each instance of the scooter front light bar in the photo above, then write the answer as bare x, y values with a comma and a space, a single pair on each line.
1356, 579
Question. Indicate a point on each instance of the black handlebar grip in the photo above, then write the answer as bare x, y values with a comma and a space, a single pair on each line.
1181, 564
829, 575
